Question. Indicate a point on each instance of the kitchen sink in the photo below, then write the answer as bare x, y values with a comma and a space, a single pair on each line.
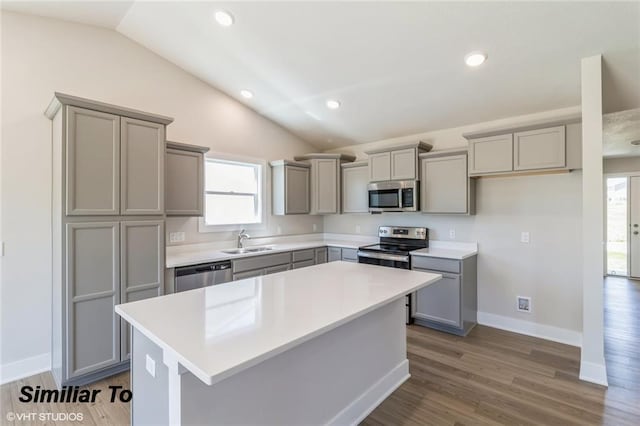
247, 250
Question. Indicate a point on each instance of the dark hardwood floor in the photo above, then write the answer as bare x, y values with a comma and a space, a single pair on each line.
489, 377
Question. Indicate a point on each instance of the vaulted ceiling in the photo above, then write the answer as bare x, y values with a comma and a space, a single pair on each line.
397, 68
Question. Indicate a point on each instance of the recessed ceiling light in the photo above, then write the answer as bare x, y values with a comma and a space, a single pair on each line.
248, 94
636, 142
224, 18
333, 104
474, 59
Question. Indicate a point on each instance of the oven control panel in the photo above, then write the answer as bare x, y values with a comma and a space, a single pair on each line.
412, 232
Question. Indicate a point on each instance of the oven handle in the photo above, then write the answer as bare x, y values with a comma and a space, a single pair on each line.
383, 256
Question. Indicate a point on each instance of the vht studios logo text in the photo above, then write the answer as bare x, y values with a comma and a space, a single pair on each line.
72, 394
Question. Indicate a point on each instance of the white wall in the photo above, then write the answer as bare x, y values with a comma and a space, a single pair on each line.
548, 268
40, 56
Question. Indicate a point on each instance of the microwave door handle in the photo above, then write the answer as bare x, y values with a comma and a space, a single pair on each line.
400, 200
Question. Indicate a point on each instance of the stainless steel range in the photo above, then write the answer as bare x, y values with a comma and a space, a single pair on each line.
394, 249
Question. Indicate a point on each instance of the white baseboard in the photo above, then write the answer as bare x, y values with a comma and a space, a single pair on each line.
594, 372
25, 368
355, 412
547, 332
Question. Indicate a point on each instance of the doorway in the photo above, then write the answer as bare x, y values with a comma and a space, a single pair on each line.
622, 256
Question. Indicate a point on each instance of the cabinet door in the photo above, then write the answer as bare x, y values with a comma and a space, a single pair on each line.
296, 190
441, 301
349, 255
403, 164
491, 155
325, 187
354, 189
184, 183
334, 253
321, 255
141, 167
93, 163
379, 166
93, 290
539, 149
249, 274
445, 185
141, 267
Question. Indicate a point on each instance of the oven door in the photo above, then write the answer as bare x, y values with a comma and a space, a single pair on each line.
383, 259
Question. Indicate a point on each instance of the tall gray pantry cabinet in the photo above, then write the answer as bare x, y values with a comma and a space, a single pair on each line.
107, 230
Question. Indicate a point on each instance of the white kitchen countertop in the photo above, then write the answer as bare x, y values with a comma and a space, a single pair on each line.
218, 331
184, 256
448, 250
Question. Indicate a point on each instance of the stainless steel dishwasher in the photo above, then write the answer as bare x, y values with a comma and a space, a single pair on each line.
203, 275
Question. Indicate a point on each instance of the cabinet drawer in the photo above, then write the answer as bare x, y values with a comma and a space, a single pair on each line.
436, 264
350, 254
263, 261
301, 255
303, 264
279, 268
248, 274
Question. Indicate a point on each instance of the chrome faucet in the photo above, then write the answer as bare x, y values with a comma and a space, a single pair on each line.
242, 235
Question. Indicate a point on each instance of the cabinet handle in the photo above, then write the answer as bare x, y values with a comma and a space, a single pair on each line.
635, 232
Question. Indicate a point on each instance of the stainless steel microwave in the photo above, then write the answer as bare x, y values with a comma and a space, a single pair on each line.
394, 196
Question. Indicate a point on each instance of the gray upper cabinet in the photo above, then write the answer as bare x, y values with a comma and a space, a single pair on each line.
290, 187
93, 162
379, 166
141, 266
404, 164
445, 186
355, 178
92, 289
526, 149
396, 163
142, 167
325, 192
184, 182
325, 187
492, 154
539, 149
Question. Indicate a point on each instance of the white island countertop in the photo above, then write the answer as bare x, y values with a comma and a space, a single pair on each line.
218, 331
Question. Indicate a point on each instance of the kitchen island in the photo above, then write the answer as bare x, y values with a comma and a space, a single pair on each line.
320, 345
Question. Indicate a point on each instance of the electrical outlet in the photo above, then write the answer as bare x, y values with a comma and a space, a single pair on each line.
524, 237
315, 227
357, 229
452, 234
176, 237
523, 304
279, 230
150, 365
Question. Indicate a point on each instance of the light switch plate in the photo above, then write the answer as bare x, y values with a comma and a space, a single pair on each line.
452, 234
315, 227
150, 366
357, 229
524, 237
176, 237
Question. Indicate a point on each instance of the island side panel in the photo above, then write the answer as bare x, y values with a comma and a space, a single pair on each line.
336, 378
150, 403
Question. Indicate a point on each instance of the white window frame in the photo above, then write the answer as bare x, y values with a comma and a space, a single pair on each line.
262, 198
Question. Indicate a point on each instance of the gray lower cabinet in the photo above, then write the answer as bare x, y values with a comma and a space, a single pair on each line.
450, 304
321, 255
248, 274
141, 267
92, 291
275, 269
345, 254
184, 182
256, 266
303, 264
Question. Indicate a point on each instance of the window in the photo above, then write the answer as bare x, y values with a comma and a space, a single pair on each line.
233, 193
